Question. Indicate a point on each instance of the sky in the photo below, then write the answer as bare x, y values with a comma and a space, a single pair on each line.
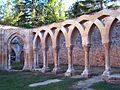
68, 3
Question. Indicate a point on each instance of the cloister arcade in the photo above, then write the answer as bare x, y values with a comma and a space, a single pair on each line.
65, 41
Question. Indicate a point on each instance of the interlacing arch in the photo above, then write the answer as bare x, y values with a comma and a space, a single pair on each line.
103, 20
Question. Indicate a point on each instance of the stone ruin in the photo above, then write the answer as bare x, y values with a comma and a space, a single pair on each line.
88, 40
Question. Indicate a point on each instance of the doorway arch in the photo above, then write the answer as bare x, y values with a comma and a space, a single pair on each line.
17, 42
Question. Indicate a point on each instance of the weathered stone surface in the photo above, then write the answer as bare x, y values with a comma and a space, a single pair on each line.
93, 30
114, 79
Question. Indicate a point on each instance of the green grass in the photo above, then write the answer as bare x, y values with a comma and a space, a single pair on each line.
21, 80
17, 65
105, 86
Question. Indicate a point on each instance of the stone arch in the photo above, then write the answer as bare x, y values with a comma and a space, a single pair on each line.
77, 50
61, 43
112, 24
49, 44
89, 30
37, 47
57, 34
9, 48
46, 37
74, 23
96, 54
114, 39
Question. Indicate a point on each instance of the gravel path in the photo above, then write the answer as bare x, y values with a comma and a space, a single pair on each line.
84, 85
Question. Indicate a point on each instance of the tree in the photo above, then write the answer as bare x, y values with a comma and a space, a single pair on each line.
51, 11
32, 13
7, 13
87, 6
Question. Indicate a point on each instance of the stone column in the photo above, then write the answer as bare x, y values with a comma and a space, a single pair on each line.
86, 72
70, 71
28, 62
35, 57
37, 60
107, 71
9, 61
56, 68
45, 67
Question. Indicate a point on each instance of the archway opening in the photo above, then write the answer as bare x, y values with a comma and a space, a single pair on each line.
115, 46
50, 57
16, 53
39, 56
62, 54
78, 52
97, 58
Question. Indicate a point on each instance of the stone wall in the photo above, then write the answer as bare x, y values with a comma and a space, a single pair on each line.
94, 30
97, 57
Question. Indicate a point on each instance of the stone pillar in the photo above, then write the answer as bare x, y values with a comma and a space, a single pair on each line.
56, 68
9, 61
36, 60
86, 72
28, 63
45, 67
35, 57
70, 71
107, 71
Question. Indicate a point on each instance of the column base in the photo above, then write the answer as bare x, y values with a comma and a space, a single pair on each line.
70, 72
56, 70
27, 67
106, 73
87, 73
45, 69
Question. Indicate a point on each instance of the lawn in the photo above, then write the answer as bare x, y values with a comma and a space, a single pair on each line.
105, 86
21, 80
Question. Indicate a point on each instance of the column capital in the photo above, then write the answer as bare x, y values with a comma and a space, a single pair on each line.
87, 47
107, 45
34, 49
56, 48
70, 46
44, 48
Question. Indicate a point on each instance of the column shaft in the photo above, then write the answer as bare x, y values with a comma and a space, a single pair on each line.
56, 68
107, 71
86, 71
70, 71
45, 61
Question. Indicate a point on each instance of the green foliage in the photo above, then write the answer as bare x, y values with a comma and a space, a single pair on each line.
7, 13
31, 13
88, 6
34, 13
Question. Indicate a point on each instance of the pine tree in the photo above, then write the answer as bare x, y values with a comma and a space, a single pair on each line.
87, 6
7, 13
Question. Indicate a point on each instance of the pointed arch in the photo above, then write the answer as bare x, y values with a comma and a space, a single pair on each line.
71, 32
57, 33
10, 38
